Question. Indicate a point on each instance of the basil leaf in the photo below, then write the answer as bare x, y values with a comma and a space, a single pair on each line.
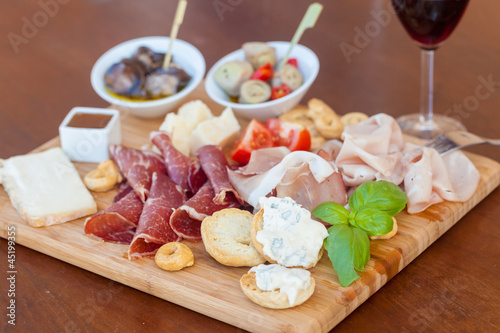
348, 249
380, 195
374, 222
331, 212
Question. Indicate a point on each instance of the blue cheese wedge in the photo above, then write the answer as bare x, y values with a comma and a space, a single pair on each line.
289, 235
45, 188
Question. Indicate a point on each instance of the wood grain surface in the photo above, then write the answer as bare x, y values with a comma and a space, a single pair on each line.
452, 286
213, 289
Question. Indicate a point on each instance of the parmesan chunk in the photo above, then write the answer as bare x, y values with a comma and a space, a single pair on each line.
180, 126
216, 131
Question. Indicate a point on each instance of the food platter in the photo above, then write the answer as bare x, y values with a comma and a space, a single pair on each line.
213, 289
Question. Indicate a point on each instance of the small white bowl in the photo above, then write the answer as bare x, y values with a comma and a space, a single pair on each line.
308, 66
184, 54
90, 144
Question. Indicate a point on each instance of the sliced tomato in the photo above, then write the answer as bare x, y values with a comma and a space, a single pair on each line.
293, 136
256, 136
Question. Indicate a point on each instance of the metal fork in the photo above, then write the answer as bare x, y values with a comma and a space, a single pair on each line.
454, 140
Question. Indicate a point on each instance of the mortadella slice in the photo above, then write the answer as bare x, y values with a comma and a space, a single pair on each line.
138, 167
154, 228
183, 170
214, 163
186, 220
116, 223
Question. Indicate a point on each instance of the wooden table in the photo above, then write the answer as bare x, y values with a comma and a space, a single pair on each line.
368, 64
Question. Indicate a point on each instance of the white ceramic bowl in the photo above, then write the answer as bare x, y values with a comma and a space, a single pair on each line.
308, 66
90, 144
184, 54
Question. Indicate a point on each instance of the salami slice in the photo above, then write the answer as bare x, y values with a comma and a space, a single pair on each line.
186, 220
116, 223
183, 170
214, 163
138, 167
153, 229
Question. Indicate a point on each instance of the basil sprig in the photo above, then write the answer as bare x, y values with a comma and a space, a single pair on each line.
372, 206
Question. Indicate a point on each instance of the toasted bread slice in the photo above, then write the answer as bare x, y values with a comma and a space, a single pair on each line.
226, 235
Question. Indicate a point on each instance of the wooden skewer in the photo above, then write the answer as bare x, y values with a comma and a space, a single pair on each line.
308, 21
179, 17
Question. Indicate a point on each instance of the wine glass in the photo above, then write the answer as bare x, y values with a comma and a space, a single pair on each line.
429, 23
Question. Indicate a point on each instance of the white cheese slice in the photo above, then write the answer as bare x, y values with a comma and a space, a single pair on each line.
45, 188
216, 131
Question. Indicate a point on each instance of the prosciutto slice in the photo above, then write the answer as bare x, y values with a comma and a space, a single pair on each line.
138, 167
432, 178
186, 220
304, 176
116, 223
153, 229
372, 150
183, 170
214, 163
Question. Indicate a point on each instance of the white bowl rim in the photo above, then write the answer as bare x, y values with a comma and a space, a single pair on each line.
242, 106
96, 78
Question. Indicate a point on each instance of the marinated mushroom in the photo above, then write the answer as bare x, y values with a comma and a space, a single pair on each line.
142, 77
165, 82
149, 58
125, 77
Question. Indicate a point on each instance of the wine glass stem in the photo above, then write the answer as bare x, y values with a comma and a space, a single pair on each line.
426, 86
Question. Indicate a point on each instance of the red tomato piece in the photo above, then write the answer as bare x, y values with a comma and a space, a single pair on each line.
256, 136
280, 91
293, 62
293, 136
263, 73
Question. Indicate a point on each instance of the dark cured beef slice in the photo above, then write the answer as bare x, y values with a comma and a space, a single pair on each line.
154, 228
214, 163
186, 220
185, 226
183, 170
124, 188
116, 223
138, 167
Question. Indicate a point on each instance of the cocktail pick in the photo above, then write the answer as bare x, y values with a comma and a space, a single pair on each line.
179, 16
308, 21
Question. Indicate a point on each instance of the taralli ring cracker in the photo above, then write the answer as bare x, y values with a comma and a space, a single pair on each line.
353, 118
174, 256
103, 178
327, 122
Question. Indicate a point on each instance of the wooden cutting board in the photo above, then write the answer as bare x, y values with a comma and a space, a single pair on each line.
213, 289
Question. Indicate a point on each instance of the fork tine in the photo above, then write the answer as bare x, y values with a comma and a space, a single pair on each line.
441, 144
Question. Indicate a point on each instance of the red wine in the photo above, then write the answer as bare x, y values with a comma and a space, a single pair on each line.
429, 22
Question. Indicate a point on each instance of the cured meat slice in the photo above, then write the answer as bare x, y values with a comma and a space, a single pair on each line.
138, 167
432, 178
153, 229
124, 190
308, 178
372, 151
186, 220
116, 223
214, 163
183, 170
